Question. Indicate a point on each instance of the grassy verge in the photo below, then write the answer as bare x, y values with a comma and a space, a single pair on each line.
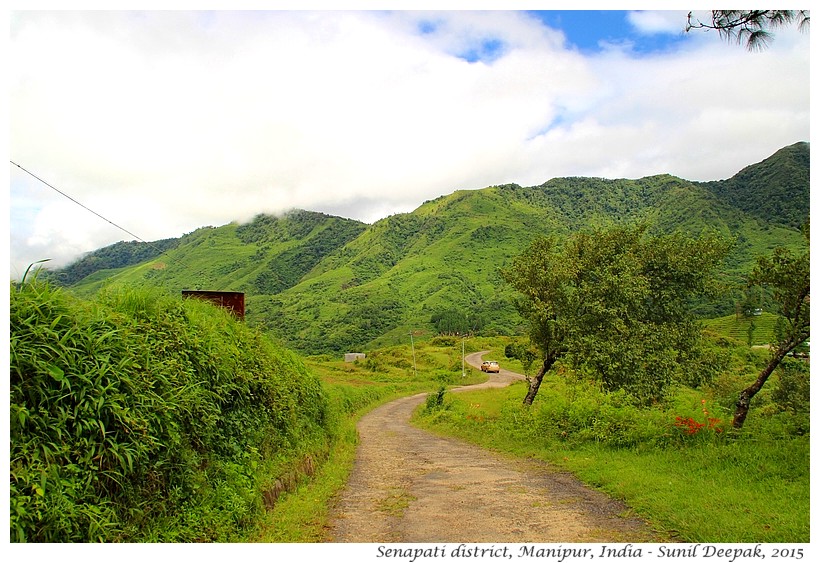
301, 516
704, 487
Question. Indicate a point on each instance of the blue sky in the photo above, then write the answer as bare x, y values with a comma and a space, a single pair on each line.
588, 29
166, 121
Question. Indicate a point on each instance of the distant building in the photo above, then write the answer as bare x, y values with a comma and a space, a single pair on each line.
233, 301
354, 356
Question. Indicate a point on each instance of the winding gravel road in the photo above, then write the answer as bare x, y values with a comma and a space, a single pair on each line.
411, 486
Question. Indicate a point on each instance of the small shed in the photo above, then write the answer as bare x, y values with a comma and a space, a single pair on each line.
233, 301
353, 356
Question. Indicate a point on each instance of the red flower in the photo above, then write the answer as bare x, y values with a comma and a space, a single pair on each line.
688, 425
691, 426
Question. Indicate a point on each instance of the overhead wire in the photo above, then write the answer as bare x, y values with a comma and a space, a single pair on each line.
85, 207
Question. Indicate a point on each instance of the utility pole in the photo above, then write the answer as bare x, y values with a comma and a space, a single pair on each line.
463, 372
413, 348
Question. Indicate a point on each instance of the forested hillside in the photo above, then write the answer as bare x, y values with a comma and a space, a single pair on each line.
267, 255
327, 284
117, 255
775, 190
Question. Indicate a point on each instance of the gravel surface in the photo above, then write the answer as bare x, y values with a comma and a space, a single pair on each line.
411, 486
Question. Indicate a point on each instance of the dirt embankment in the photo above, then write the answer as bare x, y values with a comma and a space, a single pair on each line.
410, 486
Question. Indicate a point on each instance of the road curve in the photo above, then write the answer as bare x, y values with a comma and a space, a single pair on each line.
410, 486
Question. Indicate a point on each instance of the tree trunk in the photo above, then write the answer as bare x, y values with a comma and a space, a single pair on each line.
745, 399
535, 383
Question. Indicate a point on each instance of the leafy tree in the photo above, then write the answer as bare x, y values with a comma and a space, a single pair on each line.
456, 321
526, 353
615, 303
786, 273
750, 26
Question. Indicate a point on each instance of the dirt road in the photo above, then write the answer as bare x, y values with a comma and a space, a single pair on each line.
410, 486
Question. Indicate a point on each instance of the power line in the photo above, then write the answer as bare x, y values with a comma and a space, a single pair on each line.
83, 206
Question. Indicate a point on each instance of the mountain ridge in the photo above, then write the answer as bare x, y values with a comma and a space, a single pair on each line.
326, 284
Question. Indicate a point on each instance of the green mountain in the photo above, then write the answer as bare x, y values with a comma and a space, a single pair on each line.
268, 255
117, 255
326, 284
775, 190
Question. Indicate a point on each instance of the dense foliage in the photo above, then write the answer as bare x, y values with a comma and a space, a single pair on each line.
615, 303
143, 417
457, 322
287, 268
773, 190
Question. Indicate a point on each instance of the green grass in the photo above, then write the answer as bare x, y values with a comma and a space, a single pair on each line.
747, 487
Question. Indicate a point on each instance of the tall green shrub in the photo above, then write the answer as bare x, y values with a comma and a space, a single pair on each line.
142, 417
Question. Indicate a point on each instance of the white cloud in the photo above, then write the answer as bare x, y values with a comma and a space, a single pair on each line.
167, 121
651, 22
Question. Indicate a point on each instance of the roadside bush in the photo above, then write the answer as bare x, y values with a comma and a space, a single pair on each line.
435, 400
443, 341
142, 417
576, 411
792, 391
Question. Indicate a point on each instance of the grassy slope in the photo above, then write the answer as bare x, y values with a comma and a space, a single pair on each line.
737, 328
773, 190
267, 255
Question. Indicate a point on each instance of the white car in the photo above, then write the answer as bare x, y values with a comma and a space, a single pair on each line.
490, 367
